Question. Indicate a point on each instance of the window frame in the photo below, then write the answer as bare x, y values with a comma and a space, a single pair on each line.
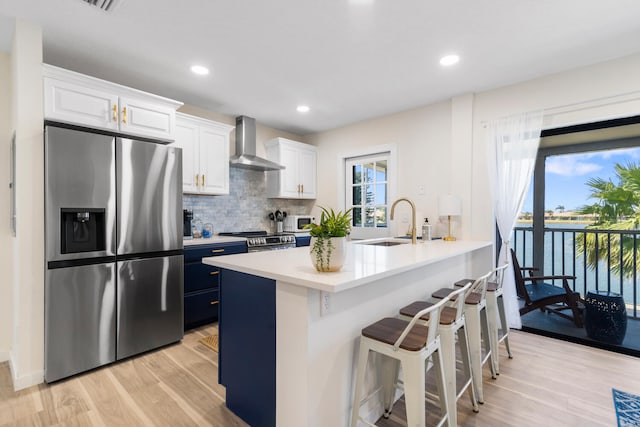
389, 150
539, 182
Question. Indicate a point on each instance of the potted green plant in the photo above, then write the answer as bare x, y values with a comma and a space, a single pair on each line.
328, 239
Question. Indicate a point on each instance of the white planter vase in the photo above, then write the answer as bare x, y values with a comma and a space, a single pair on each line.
328, 254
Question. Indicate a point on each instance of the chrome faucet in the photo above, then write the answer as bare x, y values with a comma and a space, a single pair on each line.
413, 217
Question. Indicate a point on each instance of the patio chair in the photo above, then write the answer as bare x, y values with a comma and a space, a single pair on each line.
546, 296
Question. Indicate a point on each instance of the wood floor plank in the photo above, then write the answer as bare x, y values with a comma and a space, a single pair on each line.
14, 406
110, 405
186, 383
207, 372
62, 402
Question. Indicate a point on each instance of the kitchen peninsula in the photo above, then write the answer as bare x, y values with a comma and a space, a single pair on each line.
288, 334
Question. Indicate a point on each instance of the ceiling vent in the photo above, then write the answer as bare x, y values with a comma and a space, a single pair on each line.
106, 5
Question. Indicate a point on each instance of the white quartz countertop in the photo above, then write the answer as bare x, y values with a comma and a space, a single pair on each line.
213, 240
364, 263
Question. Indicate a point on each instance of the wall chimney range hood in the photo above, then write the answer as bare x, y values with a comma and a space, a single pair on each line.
245, 157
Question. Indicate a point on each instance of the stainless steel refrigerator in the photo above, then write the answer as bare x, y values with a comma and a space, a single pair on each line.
114, 272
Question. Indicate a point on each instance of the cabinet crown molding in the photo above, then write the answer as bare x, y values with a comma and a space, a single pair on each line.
200, 121
63, 74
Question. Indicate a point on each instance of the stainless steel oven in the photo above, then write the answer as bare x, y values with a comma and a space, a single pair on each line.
258, 241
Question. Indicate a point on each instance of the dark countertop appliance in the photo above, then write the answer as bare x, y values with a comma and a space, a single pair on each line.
187, 219
114, 271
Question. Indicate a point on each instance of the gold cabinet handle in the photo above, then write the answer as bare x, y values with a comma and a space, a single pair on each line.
213, 302
302, 185
298, 188
115, 113
217, 251
124, 115
214, 273
197, 180
203, 180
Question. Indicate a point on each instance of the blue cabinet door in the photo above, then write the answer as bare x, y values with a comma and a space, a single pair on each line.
303, 241
201, 307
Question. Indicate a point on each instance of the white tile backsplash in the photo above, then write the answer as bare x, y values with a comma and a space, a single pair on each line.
246, 207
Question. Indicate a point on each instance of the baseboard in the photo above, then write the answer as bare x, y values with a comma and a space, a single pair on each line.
25, 381
4, 356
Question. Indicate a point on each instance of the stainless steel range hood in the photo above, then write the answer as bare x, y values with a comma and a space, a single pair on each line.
245, 157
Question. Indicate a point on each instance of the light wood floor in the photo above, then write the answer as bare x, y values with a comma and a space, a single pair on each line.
174, 386
547, 383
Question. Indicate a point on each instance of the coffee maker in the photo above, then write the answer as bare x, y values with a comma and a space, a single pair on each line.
187, 218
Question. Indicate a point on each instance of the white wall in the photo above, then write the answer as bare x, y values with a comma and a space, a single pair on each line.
423, 140
6, 312
27, 353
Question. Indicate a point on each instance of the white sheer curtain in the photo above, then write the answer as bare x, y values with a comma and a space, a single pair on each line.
512, 147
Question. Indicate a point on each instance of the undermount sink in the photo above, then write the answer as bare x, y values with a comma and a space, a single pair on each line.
383, 243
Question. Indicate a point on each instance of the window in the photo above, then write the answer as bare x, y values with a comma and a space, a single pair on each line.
367, 193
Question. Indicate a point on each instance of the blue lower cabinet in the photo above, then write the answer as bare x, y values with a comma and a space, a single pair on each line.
303, 241
202, 281
247, 341
201, 307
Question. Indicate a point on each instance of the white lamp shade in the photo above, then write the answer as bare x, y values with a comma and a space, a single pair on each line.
449, 205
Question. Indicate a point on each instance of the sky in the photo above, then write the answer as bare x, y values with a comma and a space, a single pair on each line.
567, 174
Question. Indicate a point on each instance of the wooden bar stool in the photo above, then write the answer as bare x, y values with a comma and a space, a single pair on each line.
495, 311
409, 345
476, 322
452, 323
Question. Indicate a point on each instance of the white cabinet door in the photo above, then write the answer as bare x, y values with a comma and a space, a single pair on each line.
187, 139
290, 184
71, 103
205, 154
75, 98
307, 172
298, 179
142, 118
214, 161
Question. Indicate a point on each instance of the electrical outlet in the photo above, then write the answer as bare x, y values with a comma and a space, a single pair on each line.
325, 302
421, 190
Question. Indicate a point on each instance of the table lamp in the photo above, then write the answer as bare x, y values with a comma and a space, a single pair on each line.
449, 206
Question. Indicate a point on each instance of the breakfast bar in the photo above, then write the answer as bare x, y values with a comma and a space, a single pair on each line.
289, 334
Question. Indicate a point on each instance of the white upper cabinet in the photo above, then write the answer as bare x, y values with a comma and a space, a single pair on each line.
298, 179
74, 98
205, 154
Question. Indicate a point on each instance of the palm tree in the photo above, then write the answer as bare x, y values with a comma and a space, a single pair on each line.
617, 208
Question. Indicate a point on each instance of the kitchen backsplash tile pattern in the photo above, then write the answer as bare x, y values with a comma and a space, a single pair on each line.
246, 207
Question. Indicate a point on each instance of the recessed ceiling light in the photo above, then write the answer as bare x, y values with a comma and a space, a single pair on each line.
302, 108
448, 60
199, 69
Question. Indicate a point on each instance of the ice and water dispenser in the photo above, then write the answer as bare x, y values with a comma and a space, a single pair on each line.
83, 230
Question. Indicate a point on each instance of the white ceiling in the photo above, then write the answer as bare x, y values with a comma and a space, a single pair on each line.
349, 60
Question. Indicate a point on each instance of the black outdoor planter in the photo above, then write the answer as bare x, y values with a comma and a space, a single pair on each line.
605, 317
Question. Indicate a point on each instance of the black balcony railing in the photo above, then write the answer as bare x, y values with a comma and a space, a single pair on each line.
562, 255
